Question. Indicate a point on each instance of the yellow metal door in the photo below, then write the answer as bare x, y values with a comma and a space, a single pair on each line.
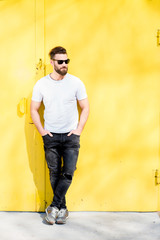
19, 173
113, 49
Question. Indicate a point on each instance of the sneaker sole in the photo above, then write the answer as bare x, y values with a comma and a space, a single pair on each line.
47, 219
50, 222
61, 221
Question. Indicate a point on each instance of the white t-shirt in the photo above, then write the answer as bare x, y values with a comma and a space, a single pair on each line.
60, 101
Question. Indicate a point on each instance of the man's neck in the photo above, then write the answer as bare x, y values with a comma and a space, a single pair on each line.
55, 76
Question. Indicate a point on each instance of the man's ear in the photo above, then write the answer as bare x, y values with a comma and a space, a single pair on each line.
51, 62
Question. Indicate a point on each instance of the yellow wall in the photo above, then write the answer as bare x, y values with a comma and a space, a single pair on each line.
17, 65
113, 49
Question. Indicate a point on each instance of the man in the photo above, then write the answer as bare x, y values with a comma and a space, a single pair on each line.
60, 92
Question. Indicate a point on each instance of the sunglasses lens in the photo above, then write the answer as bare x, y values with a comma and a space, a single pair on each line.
67, 61
60, 61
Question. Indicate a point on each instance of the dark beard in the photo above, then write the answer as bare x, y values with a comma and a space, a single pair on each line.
61, 72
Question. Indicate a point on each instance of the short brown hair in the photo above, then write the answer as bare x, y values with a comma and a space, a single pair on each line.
57, 50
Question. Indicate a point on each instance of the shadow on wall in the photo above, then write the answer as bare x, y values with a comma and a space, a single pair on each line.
35, 151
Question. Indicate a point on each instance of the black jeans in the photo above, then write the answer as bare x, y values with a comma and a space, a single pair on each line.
61, 153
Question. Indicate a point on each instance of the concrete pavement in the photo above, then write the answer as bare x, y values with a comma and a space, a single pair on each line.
81, 226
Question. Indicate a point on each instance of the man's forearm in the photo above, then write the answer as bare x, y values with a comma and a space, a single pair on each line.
83, 119
37, 122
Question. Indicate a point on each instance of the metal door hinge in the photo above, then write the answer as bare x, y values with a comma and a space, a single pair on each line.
39, 65
157, 177
158, 37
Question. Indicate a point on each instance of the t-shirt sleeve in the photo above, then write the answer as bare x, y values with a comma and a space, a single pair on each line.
81, 91
36, 94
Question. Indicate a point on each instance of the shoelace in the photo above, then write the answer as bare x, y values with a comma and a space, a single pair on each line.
61, 213
54, 213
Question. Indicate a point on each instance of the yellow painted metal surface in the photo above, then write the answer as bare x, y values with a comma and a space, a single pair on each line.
113, 47
17, 67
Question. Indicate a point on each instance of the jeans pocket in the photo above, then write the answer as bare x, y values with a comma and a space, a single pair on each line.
75, 135
44, 136
74, 141
46, 139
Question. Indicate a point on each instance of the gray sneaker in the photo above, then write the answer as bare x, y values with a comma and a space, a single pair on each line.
52, 213
62, 216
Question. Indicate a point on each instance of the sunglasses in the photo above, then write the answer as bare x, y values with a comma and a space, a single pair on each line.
62, 61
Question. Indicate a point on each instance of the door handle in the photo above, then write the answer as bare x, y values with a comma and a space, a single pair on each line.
23, 106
